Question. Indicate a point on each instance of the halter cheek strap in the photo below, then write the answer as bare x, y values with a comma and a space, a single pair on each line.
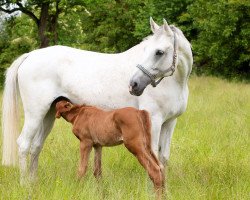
153, 77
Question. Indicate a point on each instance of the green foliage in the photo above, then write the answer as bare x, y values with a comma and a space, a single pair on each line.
114, 26
222, 45
15, 41
70, 32
175, 12
218, 30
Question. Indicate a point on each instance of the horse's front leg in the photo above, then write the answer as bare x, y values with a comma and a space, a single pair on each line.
156, 122
167, 130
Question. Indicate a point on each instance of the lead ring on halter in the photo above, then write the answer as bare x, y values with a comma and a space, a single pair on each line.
154, 83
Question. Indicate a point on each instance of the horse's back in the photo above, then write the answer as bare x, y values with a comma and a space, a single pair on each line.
61, 57
82, 76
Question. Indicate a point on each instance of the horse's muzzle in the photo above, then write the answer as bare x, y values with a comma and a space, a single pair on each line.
137, 85
135, 92
134, 88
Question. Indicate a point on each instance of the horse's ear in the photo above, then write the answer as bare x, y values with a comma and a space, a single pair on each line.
167, 28
153, 25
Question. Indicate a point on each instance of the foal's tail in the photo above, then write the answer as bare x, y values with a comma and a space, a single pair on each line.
10, 116
147, 127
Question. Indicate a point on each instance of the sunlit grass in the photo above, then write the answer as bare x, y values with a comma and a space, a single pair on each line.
210, 156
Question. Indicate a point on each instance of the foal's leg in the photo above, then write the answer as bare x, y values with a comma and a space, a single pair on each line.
137, 147
85, 149
98, 161
38, 141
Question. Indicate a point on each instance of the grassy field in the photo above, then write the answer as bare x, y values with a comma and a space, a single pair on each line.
210, 156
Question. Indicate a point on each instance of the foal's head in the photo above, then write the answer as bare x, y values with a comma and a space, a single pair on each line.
62, 107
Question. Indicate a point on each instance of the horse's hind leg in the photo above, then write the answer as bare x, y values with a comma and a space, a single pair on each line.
38, 141
30, 128
35, 113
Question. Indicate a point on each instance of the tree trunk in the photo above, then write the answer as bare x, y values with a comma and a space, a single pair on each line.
46, 23
43, 22
53, 24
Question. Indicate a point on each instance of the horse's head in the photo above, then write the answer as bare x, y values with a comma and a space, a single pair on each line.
159, 58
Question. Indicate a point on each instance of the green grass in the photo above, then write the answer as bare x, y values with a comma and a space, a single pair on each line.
210, 156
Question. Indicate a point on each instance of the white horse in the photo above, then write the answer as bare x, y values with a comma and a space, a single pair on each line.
97, 79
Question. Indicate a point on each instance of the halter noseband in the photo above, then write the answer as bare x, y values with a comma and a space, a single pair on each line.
154, 83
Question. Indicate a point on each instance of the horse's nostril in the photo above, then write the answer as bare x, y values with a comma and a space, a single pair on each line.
135, 84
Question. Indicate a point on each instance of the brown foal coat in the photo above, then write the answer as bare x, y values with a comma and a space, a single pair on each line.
96, 128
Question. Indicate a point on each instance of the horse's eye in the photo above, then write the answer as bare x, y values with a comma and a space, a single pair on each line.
159, 52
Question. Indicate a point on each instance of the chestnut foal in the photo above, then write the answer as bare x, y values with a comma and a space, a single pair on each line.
96, 128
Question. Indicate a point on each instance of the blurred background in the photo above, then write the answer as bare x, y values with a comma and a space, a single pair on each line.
219, 31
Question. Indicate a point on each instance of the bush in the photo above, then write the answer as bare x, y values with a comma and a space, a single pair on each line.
222, 45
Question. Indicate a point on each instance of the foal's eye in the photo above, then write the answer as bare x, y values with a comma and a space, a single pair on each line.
159, 53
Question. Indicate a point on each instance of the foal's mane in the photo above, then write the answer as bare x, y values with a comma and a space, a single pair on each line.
60, 98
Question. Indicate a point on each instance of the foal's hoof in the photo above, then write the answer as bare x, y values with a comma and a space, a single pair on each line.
98, 177
159, 193
80, 175
98, 174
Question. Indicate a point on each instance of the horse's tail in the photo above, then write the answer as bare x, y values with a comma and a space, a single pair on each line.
10, 116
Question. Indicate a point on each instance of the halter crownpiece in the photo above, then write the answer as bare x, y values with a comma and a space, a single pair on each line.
154, 83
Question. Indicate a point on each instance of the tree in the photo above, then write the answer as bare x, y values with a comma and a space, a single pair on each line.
115, 25
222, 45
218, 30
175, 12
70, 31
44, 13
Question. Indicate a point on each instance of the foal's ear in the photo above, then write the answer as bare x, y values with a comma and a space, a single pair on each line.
154, 26
68, 106
58, 114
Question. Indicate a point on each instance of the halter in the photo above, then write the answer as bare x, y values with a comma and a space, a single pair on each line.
154, 83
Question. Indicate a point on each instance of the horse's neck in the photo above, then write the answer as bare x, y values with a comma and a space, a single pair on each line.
132, 55
185, 61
